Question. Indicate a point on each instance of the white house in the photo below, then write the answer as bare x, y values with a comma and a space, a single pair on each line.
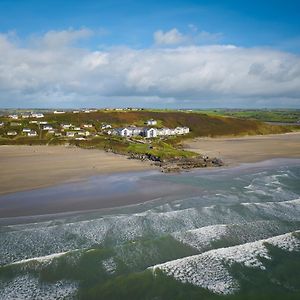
59, 112
12, 133
32, 133
75, 111
42, 123
105, 126
77, 128
37, 115
1, 124
151, 122
15, 117
25, 116
80, 139
57, 133
47, 127
33, 122
66, 126
70, 133
26, 130
150, 132
87, 125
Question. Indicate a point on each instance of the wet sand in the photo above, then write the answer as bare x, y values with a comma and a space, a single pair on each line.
31, 167
248, 149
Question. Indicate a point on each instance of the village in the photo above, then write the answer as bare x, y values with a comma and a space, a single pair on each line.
36, 125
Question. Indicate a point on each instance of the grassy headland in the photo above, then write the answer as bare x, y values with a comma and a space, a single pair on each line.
157, 149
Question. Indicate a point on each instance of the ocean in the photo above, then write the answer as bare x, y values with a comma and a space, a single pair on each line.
231, 233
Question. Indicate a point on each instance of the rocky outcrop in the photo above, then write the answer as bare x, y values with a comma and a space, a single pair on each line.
178, 164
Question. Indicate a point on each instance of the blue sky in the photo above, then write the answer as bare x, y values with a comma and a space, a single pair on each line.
87, 28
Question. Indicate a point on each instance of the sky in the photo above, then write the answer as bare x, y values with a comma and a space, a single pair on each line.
164, 54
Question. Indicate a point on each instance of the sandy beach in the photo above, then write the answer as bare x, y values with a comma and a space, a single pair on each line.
249, 148
31, 167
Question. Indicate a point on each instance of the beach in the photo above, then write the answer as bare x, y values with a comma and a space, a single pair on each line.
248, 149
32, 167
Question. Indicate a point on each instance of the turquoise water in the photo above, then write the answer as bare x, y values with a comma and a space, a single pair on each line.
217, 233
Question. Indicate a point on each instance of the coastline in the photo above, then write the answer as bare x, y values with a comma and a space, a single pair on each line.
247, 149
34, 167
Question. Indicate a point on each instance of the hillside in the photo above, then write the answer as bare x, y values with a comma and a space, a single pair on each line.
199, 124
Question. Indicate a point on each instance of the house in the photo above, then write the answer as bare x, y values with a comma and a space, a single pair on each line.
37, 115
186, 130
77, 128
163, 131
47, 127
150, 132
75, 111
59, 112
66, 126
178, 130
32, 133
15, 117
25, 116
70, 133
57, 133
83, 133
87, 126
129, 131
151, 122
12, 133
33, 122
105, 126
26, 130
80, 139
1, 124
42, 123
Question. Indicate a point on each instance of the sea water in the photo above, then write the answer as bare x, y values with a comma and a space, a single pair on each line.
214, 232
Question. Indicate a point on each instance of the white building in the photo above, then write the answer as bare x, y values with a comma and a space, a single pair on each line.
66, 126
75, 111
59, 112
12, 133
70, 133
26, 130
87, 126
37, 115
105, 126
33, 122
47, 127
25, 116
151, 122
1, 124
150, 132
32, 133
15, 117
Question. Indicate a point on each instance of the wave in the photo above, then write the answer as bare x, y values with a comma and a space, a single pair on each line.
210, 269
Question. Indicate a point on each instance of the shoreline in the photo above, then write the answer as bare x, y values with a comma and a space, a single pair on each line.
25, 168
247, 149
116, 193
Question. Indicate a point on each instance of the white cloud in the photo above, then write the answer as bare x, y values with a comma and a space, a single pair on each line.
66, 75
194, 36
171, 37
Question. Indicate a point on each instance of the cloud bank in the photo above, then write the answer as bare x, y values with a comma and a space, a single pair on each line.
52, 71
